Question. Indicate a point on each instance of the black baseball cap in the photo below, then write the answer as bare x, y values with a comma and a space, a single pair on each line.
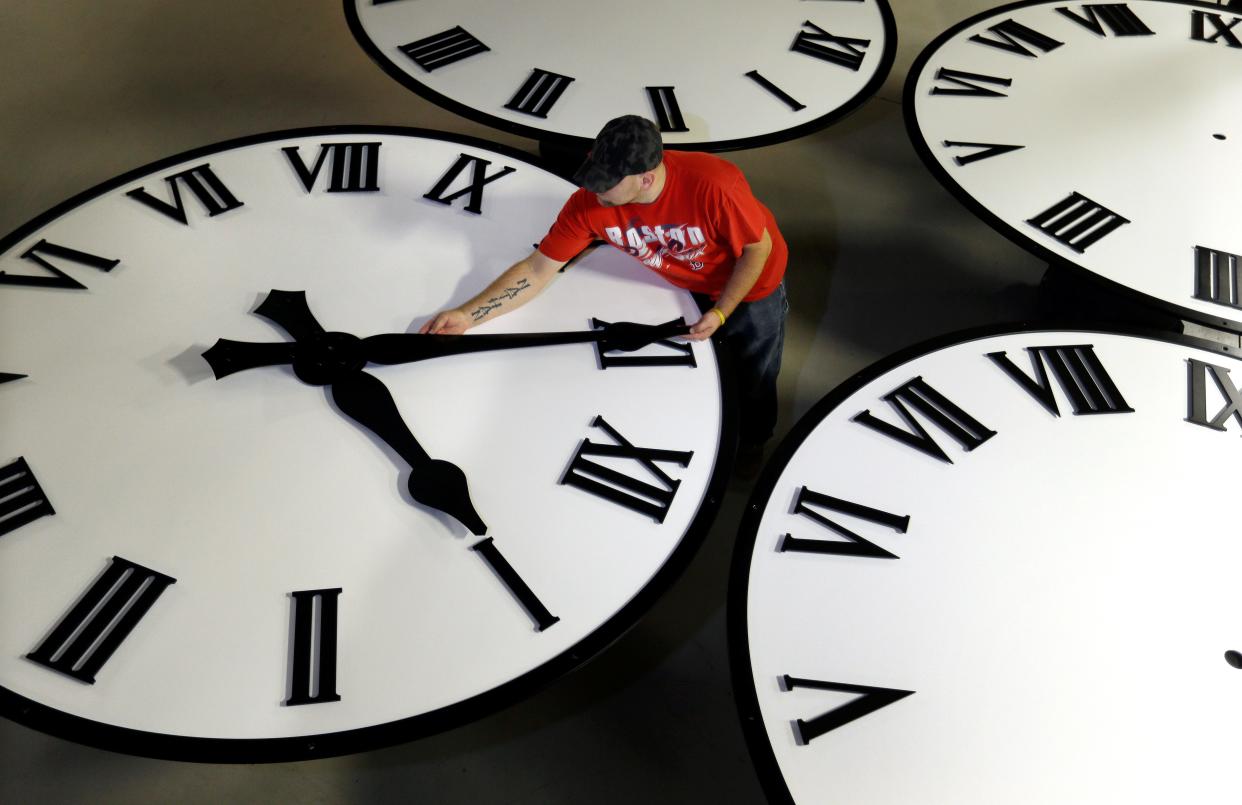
624, 146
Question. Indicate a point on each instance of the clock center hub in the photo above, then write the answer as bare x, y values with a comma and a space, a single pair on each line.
324, 358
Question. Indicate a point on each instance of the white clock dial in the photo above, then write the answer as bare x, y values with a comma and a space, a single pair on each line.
290, 598
713, 76
1098, 135
1000, 568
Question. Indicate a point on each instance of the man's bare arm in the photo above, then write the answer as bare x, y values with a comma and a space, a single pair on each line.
521, 282
746, 272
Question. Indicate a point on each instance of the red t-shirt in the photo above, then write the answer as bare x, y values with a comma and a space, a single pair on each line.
691, 235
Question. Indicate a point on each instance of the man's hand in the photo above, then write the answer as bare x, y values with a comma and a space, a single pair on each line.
702, 329
447, 322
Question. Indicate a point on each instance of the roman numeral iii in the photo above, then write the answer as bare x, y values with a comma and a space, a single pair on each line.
619, 488
1197, 396
22, 500
96, 626
355, 166
1216, 277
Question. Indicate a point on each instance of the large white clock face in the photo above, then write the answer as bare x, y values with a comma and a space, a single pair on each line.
1098, 134
712, 75
258, 581
1000, 568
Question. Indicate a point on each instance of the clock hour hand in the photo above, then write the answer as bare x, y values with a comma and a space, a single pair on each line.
433, 482
226, 357
409, 347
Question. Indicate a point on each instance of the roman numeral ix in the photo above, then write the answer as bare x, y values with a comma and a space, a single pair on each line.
1079, 372
95, 627
917, 394
1221, 31
312, 679
474, 187
22, 500
619, 488
1197, 397
682, 353
840, 50
355, 166
856, 545
202, 183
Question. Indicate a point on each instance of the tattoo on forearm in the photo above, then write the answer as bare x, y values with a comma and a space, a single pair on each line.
485, 309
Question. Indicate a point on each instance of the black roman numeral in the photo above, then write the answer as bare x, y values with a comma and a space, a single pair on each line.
965, 429
964, 84
667, 111
38, 255
617, 487
1079, 372
525, 596
202, 182
93, 629
1077, 222
537, 95
870, 699
790, 101
1012, 34
682, 354
22, 500
856, 546
1220, 30
355, 166
312, 679
989, 150
446, 47
1117, 17
1197, 413
840, 50
478, 178
1216, 277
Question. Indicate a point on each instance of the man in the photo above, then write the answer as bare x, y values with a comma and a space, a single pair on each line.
692, 219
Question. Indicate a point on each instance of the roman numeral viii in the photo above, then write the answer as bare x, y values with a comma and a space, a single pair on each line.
93, 629
474, 187
856, 545
21, 498
619, 488
1078, 371
917, 394
869, 700
312, 679
355, 166
202, 183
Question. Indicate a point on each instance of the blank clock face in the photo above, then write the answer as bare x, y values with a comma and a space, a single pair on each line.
1000, 568
711, 76
1101, 134
234, 569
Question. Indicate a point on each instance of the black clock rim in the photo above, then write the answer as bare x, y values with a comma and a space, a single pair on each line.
582, 144
1008, 230
744, 696
163, 746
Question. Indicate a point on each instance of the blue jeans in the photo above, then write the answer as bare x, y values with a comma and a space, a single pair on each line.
754, 336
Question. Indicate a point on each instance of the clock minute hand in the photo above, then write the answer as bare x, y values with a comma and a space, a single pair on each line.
433, 482
410, 347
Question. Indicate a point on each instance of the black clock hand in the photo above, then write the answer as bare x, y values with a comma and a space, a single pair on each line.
409, 347
433, 482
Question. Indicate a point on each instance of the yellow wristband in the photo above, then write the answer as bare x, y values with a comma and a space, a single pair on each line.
718, 312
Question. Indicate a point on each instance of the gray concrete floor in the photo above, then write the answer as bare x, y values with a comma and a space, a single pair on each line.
882, 257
